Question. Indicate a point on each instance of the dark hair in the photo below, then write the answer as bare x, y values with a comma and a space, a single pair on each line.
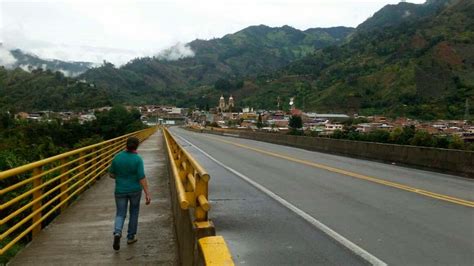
132, 143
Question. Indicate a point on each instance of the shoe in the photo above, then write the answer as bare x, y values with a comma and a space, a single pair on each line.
131, 241
116, 241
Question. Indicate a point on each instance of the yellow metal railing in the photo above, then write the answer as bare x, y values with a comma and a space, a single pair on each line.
190, 178
35, 191
191, 183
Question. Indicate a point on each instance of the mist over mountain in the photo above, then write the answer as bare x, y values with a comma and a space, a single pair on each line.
406, 60
250, 52
28, 62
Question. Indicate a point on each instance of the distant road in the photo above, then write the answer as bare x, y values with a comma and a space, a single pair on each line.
278, 205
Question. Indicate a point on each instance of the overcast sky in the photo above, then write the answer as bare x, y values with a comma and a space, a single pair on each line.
118, 31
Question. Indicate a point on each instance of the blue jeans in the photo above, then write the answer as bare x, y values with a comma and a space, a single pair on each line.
121, 201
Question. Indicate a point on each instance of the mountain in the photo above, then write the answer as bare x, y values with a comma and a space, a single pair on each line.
420, 65
394, 15
46, 90
422, 68
250, 52
28, 62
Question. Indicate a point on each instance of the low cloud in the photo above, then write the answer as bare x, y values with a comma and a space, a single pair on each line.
6, 58
406, 14
67, 73
27, 68
96, 55
176, 52
16, 39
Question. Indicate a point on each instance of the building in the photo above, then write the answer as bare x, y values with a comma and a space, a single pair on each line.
226, 107
22, 115
322, 117
330, 128
280, 123
86, 118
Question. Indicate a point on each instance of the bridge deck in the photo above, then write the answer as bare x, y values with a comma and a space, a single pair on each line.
83, 234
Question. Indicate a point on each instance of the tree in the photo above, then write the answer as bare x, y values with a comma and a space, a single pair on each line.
259, 121
456, 143
379, 135
353, 135
295, 122
6, 120
396, 135
117, 121
338, 134
407, 134
422, 138
223, 85
441, 142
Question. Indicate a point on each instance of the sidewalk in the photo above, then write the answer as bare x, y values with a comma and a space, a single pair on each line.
83, 234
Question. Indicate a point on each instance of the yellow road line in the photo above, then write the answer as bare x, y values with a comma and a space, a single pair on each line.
356, 175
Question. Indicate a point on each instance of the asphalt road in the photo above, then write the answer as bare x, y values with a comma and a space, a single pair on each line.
392, 214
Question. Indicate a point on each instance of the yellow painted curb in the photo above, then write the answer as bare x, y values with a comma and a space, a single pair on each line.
215, 251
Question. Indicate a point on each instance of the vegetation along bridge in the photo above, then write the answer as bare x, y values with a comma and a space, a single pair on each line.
269, 204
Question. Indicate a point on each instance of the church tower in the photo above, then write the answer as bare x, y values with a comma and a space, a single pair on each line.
231, 103
222, 103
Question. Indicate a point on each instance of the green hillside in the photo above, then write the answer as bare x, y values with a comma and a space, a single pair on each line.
394, 15
420, 68
406, 60
250, 52
29, 62
46, 90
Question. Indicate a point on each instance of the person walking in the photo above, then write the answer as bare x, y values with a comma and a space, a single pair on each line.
128, 171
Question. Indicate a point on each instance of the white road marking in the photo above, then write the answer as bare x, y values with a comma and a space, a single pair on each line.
331, 233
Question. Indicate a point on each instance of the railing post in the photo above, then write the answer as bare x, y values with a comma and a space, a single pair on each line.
200, 191
64, 185
81, 168
94, 161
36, 195
188, 186
102, 155
176, 152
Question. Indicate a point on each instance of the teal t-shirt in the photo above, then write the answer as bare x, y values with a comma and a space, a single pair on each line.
128, 170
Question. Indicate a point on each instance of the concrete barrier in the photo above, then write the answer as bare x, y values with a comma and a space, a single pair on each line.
209, 243
457, 162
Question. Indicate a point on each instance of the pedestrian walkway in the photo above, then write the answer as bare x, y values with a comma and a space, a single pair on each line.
83, 234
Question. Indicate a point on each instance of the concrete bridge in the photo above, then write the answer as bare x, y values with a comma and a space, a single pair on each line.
272, 204
83, 233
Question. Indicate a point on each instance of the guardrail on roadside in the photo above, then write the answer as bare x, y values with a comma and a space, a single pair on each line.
197, 242
37, 190
458, 162
190, 178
